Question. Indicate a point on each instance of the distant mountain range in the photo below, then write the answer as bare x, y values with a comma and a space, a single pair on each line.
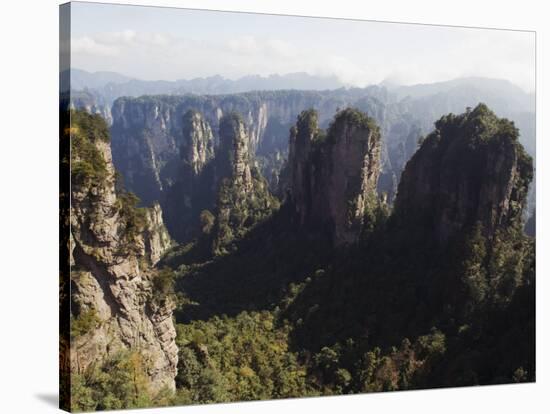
99, 90
111, 85
507, 96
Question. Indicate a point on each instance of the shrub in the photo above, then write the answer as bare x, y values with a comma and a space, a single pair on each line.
84, 323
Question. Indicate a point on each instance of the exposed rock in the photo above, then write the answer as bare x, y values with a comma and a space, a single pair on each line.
197, 143
144, 148
243, 197
200, 177
333, 178
471, 169
184, 194
91, 103
234, 159
156, 237
113, 250
149, 133
300, 169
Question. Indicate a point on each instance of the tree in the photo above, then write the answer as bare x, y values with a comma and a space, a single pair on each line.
207, 221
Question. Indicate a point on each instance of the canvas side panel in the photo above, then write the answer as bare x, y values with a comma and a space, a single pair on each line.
64, 207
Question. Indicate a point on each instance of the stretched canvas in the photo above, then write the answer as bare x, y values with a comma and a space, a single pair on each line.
260, 207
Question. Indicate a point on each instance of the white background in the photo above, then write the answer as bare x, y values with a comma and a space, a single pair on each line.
28, 203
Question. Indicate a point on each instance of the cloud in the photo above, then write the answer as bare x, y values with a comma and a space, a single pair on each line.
116, 38
244, 44
281, 48
345, 70
88, 45
451, 54
113, 43
269, 47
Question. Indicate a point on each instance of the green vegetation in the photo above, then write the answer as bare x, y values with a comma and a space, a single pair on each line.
121, 382
355, 367
164, 285
308, 122
207, 221
353, 118
239, 211
92, 127
84, 323
88, 166
402, 279
134, 217
273, 311
399, 310
238, 359
243, 199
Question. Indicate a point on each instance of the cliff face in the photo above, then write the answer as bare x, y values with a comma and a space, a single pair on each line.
113, 247
150, 132
156, 237
163, 146
144, 149
333, 177
91, 103
184, 191
301, 141
234, 157
197, 141
243, 197
222, 180
470, 170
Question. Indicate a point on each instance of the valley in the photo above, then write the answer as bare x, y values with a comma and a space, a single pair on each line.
289, 243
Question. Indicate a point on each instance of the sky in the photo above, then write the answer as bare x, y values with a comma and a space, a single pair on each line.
154, 43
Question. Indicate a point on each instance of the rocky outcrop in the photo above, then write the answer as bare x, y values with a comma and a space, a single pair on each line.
113, 248
243, 197
234, 158
224, 181
471, 170
197, 141
156, 237
184, 190
91, 103
334, 176
144, 149
149, 133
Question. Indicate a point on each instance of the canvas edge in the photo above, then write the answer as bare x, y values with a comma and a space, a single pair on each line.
64, 208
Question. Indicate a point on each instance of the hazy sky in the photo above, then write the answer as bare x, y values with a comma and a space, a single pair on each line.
166, 43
